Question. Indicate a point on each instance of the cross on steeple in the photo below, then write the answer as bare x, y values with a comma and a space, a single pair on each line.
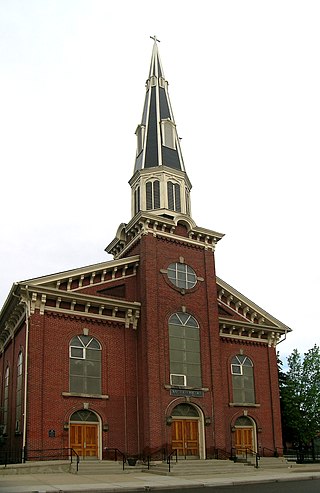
155, 39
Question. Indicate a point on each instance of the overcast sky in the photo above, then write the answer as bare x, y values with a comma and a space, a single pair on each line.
244, 83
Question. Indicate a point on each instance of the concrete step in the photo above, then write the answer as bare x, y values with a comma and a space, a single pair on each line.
100, 467
197, 467
36, 467
273, 463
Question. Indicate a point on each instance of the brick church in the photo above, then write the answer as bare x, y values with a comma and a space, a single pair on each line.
149, 350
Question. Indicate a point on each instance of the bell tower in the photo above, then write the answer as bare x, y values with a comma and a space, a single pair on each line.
159, 182
160, 197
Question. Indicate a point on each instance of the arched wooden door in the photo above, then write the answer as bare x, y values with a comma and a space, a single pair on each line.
185, 431
84, 434
244, 436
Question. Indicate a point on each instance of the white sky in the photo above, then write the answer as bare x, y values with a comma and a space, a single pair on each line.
245, 89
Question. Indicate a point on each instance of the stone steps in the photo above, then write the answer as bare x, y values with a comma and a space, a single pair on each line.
198, 467
273, 463
100, 467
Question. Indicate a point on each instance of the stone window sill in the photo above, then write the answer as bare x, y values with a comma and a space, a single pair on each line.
90, 396
243, 404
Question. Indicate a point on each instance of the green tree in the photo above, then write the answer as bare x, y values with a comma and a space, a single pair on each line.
300, 396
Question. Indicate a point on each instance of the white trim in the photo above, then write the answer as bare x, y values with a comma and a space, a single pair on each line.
178, 375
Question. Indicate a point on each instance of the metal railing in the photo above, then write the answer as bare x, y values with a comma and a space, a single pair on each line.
221, 454
169, 457
10, 457
116, 452
53, 454
302, 455
159, 454
244, 451
274, 452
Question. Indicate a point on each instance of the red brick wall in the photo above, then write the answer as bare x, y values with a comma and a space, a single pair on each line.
135, 363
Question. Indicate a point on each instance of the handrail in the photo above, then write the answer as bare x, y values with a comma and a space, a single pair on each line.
149, 456
174, 452
274, 451
246, 450
116, 451
253, 452
223, 454
77, 457
53, 454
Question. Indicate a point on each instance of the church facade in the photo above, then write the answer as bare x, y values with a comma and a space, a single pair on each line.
151, 349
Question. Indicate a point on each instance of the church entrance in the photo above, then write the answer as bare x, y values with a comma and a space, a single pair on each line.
186, 431
84, 434
244, 436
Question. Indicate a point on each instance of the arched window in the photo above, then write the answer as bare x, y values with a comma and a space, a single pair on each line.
140, 137
185, 410
184, 345
6, 400
85, 365
84, 415
19, 393
168, 134
153, 195
174, 201
187, 193
137, 200
242, 380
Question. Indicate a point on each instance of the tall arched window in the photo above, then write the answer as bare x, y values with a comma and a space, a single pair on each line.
19, 393
242, 380
174, 201
85, 365
137, 200
6, 400
153, 195
184, 345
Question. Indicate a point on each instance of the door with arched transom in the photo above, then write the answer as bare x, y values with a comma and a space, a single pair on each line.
244, 436
185, 431
84, 434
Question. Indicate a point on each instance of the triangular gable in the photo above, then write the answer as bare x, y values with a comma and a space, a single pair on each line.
88, 276
241, 318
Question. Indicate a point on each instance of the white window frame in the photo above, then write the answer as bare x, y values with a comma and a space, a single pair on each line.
172, 375
168, 132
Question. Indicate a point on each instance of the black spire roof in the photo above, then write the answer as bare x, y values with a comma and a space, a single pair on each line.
158, 142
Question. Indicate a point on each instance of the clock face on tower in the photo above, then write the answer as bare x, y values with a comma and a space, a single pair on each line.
182, 275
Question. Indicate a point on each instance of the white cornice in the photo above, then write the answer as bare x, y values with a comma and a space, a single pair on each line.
145, 223
235, 301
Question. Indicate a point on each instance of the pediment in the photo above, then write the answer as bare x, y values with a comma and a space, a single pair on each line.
240, 317
98, 276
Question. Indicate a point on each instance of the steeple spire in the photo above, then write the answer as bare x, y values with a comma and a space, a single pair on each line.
159, 182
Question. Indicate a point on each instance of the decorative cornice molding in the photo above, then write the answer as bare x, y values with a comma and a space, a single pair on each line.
12, 324
236, 329
149, 223
84, 305
243, 308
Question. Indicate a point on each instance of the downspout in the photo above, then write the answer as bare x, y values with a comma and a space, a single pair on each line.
24, 430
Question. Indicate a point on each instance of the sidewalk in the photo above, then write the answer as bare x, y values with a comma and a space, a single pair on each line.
143, 481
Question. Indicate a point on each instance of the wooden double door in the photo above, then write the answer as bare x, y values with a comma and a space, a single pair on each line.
84, 439
244, 441
185, 437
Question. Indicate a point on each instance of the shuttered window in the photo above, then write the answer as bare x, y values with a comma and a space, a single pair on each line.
137, 200
174, 200
168, 134
153, 195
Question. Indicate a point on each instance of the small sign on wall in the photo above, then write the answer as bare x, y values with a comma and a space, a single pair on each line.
52, 433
